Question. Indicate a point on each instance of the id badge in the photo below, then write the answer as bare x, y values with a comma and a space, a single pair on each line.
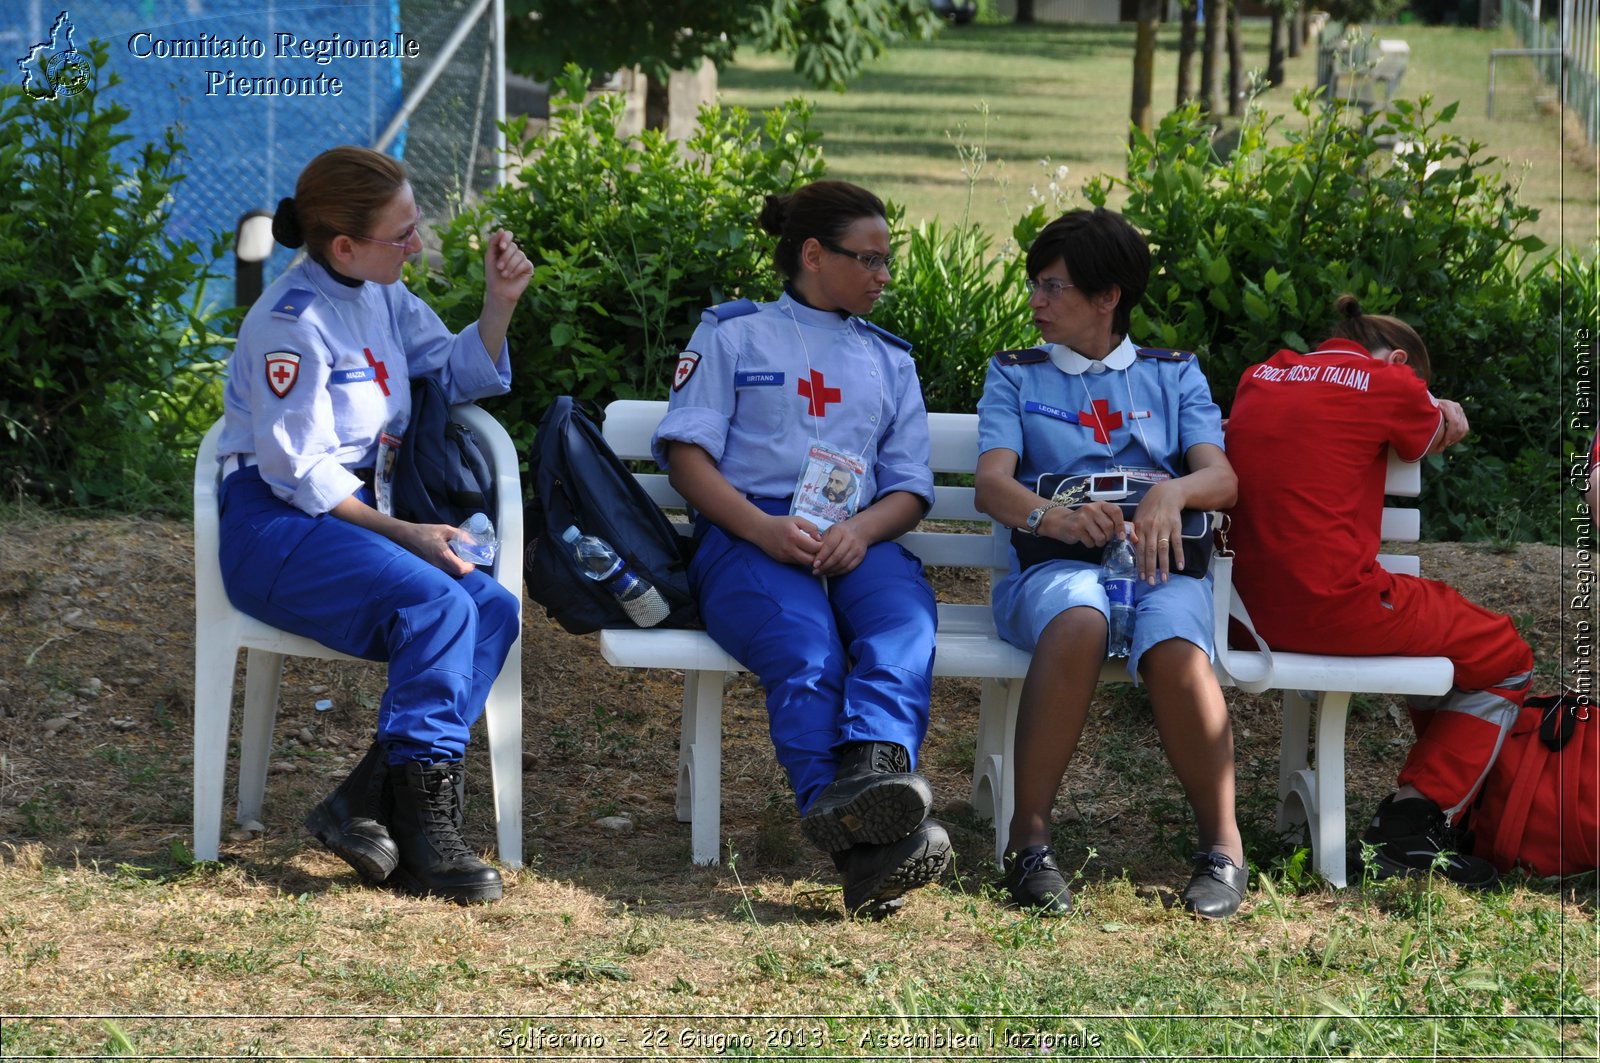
829, 490
390, 440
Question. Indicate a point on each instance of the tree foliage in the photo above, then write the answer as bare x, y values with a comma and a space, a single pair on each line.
107, 361
831, 40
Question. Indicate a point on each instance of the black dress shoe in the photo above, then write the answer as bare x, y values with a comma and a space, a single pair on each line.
877, 877
874, 799
1036, 882
1216, 888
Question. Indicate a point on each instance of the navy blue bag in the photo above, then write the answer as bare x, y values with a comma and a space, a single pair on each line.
440, 474
577, 480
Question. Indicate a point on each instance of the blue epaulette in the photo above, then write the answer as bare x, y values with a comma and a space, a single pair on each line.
1022, 356
1166, 354
293, 303
731, 309
904, 345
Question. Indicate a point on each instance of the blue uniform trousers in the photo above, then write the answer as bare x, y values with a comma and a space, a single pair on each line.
849, 660
445, 639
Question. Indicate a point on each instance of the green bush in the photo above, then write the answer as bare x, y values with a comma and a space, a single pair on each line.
1251, 251
631, 239
957, 303
107, 359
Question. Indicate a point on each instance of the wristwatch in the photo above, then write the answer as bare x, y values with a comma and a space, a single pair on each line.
1036, 518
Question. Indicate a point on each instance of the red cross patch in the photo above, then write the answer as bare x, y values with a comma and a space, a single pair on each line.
819, 393
1101, 419
688, 362
283, 369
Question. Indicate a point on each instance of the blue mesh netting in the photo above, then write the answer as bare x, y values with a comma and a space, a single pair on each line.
245, 151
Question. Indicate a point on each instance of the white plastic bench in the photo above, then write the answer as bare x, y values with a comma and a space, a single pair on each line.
969, 647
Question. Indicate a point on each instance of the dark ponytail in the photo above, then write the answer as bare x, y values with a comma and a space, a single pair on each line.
822, 209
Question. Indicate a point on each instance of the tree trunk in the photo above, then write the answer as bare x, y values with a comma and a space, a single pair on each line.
1024, 10
1144, 64
656, 102
1235, 62
1275, 44
1214, 38
1297, 30
1187, 27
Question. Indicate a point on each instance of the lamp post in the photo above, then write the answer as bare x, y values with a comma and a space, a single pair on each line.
252, 246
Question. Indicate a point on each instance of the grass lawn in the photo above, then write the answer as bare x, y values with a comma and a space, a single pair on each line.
1057, 95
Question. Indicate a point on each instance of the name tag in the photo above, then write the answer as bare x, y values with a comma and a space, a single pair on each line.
1051, 411
757, 380
353, 376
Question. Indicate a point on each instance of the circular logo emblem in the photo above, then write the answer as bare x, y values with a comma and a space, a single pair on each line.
68, 72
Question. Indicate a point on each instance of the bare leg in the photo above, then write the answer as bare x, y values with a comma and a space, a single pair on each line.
1192, 720
1050, 717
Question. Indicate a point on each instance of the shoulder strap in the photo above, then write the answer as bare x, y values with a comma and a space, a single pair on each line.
732, 309
1166, 354
1022, 356
903, 344
1250, 676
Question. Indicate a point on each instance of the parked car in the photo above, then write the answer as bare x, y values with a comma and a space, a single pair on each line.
957, 11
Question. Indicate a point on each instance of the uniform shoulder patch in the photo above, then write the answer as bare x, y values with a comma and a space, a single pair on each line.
897, 341
1022, 356
1166, 354
293, 303
732, 309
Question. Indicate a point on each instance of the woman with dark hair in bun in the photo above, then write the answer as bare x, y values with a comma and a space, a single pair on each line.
796, 431
320, 373
1305, 538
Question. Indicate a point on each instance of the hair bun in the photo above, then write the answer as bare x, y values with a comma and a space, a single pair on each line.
775, 213
1347, 306
286, 224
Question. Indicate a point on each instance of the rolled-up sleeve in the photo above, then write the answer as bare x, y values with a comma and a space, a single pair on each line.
903, 453
701, 406
458, 360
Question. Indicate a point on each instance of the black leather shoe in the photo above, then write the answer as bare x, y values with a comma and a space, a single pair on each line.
349, 821
425, 817
1036, 882
1411, 838
1217, 886
877, 877
874, 799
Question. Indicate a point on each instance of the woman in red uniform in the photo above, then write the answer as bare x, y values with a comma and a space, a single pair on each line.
1305, 534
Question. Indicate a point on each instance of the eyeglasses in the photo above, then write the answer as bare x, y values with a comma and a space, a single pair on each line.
405, 238
1051, 287
873, 263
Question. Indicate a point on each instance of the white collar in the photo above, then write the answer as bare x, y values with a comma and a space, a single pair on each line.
1072, 363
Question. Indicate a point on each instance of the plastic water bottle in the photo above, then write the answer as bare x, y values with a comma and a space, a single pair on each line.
642, 602
477, 542
1118, 573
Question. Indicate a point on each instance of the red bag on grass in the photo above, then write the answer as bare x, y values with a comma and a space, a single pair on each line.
1539, 809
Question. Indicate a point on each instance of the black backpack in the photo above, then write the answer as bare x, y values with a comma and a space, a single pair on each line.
577, 480
440, 474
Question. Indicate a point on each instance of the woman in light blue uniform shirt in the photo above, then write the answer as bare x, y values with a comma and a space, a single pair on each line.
1089, 401
796, 431
322, 367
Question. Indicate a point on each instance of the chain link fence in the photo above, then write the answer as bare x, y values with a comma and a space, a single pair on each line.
256, 88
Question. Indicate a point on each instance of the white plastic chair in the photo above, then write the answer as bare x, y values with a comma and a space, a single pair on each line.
221, 631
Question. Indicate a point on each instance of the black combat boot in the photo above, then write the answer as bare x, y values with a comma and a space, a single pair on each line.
350, 820
873, 799
877, 877
424, 817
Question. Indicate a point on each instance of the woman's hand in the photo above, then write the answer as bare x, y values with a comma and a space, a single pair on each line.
1092, 524
431, 542
1158, 532
789, 539
506, 270
843, 547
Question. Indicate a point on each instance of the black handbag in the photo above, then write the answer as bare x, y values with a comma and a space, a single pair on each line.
1074, 491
